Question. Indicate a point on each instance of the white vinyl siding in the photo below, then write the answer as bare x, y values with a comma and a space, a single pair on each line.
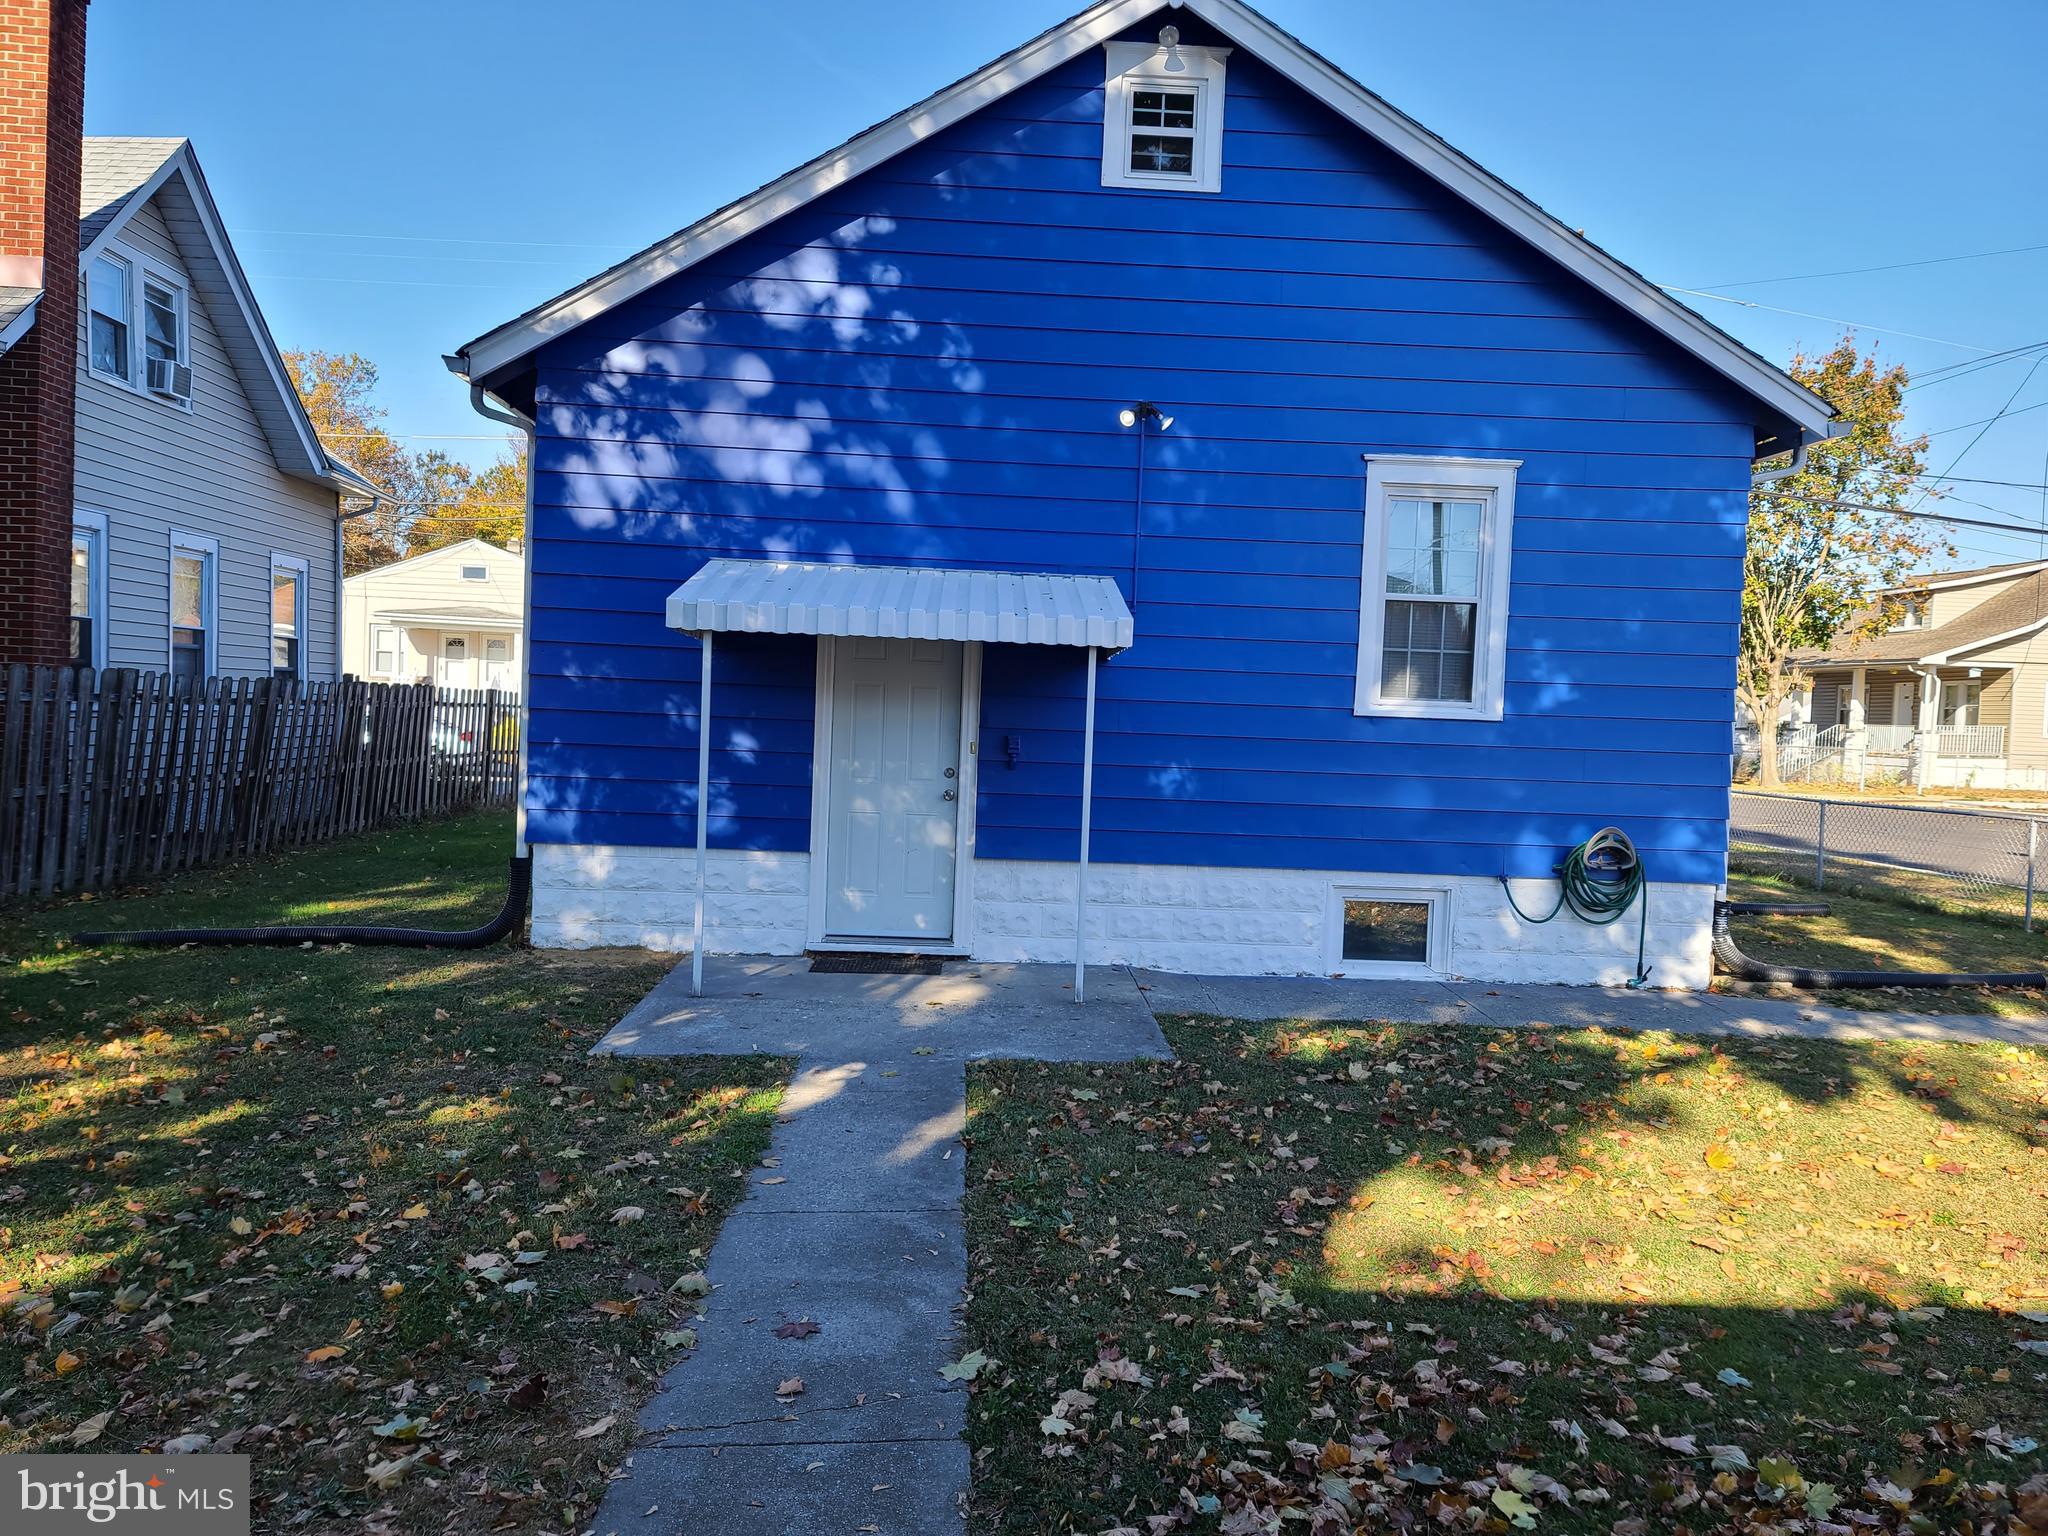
150, 467
405, 611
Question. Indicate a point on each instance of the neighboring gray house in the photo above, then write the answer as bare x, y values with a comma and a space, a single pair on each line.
206, 534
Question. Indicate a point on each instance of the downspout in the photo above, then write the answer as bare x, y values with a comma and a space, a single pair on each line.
341, 576
480, 401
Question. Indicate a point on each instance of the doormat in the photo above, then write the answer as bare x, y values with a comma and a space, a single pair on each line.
879, 964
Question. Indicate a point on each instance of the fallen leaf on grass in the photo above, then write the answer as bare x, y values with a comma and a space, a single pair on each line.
325, 1353
1719, 1157
90, 1429
388, 1474
626, 1213
592, 1431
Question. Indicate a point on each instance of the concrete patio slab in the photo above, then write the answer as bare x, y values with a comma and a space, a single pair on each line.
780, 1007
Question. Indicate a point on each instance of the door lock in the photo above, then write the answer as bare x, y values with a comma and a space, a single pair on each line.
951, 772
949, 795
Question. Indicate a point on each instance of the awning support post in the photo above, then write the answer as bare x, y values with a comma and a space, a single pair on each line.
703, 812
1087, 812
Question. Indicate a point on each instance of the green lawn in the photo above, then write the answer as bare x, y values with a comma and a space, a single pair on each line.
370, 1216
1391, 1278
1874, 933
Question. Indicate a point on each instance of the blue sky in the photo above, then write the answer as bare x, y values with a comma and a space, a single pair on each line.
399, 177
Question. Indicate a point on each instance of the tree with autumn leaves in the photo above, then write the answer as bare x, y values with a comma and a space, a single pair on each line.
430, 499
1827, 544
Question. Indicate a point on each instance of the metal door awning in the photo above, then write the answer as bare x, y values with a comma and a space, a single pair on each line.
793, 597
899, 602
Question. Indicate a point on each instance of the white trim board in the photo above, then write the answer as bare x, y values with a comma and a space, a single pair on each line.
488, 356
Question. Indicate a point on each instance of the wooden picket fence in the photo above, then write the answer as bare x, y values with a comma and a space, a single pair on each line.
111, 779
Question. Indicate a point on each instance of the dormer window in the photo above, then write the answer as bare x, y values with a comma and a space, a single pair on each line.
1162, 121
1914, 615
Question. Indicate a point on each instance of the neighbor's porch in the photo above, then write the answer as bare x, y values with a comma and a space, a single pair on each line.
1927, 725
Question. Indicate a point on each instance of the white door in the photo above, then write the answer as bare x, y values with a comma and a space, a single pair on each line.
894, 802
1905, 707
456, 668
498, 663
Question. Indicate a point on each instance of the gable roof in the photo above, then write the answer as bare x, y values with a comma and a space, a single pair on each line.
494, 356
471, 545
121, 176
1930, 581
2019, 609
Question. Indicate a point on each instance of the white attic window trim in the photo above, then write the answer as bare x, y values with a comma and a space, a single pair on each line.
1162, 115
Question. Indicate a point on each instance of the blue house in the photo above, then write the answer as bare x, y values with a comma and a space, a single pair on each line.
1151, 485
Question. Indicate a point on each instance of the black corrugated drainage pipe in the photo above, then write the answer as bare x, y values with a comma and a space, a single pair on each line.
520, 887
1743, 968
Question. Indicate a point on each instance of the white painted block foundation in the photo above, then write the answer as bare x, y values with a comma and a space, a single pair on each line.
1191, 919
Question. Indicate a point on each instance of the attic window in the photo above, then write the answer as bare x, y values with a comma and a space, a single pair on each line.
1162, 121
473, 573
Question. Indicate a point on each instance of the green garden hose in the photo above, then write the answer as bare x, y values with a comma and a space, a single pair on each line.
1599, 880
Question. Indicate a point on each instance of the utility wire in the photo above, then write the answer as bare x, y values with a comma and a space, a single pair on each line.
1807, 314
1892, 266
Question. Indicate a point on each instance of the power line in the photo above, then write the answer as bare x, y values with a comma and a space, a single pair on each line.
1975, 365
1964, 426
1892, 266
1973, 442
1932, 517
1807, 314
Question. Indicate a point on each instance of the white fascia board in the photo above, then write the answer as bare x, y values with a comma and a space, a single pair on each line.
1969, 578
1516, 213
18, 327
312, 461
509, 342
1944, 658
500, 348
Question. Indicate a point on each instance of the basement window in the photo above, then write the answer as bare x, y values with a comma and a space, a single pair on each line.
1162, 123
1391, 931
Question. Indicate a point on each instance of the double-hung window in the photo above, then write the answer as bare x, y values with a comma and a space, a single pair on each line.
195, 562
164, 324
287, 617
88, 589
387, 649
1432, 617
1162, 123
109, 290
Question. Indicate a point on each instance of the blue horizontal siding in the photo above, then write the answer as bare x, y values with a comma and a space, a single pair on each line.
924, 367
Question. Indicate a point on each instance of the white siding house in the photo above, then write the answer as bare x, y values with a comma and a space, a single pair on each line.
206, 524
452, 616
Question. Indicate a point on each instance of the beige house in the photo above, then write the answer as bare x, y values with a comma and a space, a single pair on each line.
452, 617
1954, 693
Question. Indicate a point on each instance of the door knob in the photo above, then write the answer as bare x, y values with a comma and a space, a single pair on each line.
949, 795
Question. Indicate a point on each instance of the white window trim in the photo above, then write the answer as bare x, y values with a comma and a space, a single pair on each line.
397, 633
138, 266
182, 543
1493, 482
302, 568
1179, 67
127, 260
163, 277
483, 572
1436, 897
95, 523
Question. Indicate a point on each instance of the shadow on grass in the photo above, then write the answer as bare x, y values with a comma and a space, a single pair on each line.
1468, 1275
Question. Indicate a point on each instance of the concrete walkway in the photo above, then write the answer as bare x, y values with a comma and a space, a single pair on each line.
855, 1226
1510, 1006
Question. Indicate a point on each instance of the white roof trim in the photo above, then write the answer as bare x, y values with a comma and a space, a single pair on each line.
1970, 578
298, 450
18, 327
787, 597
508, 343
1941, 658
468, 546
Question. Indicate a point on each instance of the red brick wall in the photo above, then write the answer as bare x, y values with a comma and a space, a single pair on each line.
42, 105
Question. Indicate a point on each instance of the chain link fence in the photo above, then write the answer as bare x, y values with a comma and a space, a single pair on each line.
1983, 860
